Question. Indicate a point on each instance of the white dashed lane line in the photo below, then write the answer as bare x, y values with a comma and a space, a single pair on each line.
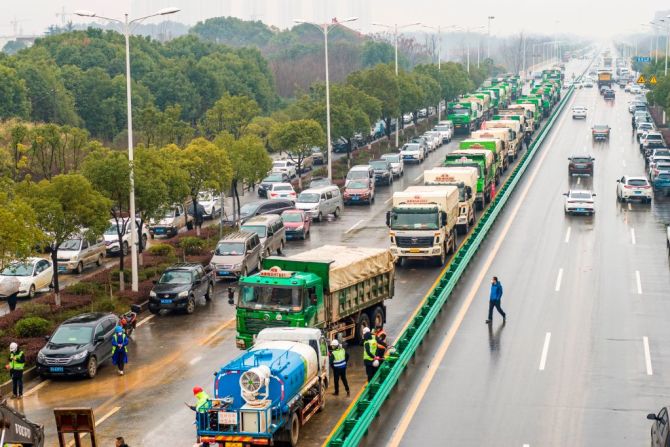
545, 351
647, 356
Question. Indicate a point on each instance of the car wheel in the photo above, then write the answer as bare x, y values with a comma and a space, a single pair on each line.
91, 367
98, 261
124, 249
154, 311
190, 305
320, 217
79, 268
280, 248
31, 292
210, 292
336, 214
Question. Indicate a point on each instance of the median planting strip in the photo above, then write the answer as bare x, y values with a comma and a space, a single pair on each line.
357, 421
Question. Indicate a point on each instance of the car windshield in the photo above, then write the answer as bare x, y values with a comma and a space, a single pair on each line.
580, 195
72, 335
260, 230
271, 297
357, 185
71, 244
204, 197
637, 182
279, 164
249, 208
581, 159
309, 197
379, 165
112, 230
392, 158
357, 174
291, 217
319, 182
652, 136
424, 219
411, 147
283, 188
273, 178
175, 277
229, 249
18, 269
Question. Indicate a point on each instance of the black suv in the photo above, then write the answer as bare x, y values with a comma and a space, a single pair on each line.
78, 346
180, 287
383, 172
249, 210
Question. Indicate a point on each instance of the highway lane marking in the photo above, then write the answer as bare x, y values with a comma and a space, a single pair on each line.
36, 388
389, 199
630, 207
647, 356
211, 336
623, 163
98, 422
639, 282
144, 320
545, 351
579, 180
526, 445
632, 235
418, 396
558, 280
418, 178
195, 360
354, 226
567, 235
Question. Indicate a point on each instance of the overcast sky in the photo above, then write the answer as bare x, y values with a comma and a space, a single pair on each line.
595, 18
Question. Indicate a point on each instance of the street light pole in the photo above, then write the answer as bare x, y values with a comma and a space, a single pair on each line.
325, 29
126, 23
395, 29
667, 42
488, 49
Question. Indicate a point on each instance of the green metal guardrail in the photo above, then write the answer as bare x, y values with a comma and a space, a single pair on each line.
357, 421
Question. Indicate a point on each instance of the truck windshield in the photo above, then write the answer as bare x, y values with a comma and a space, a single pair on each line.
414, 219
271, 297
457, 111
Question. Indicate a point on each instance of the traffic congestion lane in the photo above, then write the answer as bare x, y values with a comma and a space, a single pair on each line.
570, 359
170, 354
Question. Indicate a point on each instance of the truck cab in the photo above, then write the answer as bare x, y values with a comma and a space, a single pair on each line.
482, 160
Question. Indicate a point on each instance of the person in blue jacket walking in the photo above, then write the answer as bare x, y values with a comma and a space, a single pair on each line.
119, 349
494, 299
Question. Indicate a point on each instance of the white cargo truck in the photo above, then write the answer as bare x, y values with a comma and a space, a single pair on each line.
516, 132
465, 179
422, 222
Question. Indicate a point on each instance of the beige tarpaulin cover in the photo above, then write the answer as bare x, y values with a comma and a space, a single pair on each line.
351, 264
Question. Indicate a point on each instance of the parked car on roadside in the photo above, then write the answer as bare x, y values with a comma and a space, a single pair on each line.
296, 223
180, 287
359, 191
270, 230
383, 171
173, 219
259, 208
111, 236
77, 253
284, 167
319, 181
78, 346
266, 183
211, 203
237, 254
34, 275
281, 191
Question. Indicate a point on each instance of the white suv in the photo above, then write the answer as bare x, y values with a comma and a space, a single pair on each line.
633, 188
579, 201
579, 112
284, 167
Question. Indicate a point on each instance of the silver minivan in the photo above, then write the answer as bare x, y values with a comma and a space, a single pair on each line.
319, 202
237, 255
270, 230
78, 253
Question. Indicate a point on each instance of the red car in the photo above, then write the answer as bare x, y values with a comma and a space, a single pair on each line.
296, 223
359, 191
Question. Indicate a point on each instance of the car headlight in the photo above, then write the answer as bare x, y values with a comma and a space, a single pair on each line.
152, 294
183, 294
41, 357
237, 266
79, 355
300, 228
74, 258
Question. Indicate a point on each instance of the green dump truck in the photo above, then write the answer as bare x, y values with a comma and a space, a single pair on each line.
487, 170
465, 116
337, 289
492, 144
537, 102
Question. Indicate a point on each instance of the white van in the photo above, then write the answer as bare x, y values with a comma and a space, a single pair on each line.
319, 202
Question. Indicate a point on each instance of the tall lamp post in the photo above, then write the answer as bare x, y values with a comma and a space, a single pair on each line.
488, 43
395, 29
666, 21
325, 29
468, 31
127, 24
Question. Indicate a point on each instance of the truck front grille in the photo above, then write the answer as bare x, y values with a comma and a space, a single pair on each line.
255, 325
409, 241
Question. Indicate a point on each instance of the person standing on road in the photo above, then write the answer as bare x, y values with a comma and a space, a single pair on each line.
369, 353
120, 442
338, 361
17, 362
494, 299
119, 349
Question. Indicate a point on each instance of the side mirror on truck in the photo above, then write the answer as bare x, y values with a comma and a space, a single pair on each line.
443, 218
388, 218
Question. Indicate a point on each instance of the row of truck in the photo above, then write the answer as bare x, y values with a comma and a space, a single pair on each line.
288, 312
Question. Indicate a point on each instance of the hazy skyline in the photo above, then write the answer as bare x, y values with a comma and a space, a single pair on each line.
596, 18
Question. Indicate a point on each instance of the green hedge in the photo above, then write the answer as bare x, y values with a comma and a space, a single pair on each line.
32, 327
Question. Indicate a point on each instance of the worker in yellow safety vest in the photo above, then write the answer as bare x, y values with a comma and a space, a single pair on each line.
338, 361
369, 353
17, 362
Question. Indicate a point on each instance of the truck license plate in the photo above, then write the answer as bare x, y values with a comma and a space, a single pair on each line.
56, 369
414, 250
234, 444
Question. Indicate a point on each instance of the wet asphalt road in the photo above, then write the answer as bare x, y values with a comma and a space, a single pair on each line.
583, 356
172, 353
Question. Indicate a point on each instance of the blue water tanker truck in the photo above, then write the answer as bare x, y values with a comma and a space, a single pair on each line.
269, 392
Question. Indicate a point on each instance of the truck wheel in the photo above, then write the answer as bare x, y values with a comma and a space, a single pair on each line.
377, 317
280, 248
294, 430
443, 256
363, 322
